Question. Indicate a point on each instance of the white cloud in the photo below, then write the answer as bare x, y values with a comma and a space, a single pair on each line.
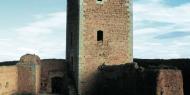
44, 36
28, 50
154, 11
46, 24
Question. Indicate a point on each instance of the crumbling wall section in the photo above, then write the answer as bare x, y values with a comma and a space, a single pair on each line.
8, 80
29, 78
134, 80
52, 68
170, 82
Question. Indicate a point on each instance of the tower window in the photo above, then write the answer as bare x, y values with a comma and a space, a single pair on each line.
71, 63
71, 39
99, 1
100, 35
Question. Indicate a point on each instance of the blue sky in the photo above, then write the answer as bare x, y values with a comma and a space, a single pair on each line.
32, 26
161, 28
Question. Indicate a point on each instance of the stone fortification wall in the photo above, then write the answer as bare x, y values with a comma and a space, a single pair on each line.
29, 74
8, 80
134, 80
28, 78
52, 68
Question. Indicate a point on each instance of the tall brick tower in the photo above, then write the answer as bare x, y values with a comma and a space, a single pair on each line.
98, 32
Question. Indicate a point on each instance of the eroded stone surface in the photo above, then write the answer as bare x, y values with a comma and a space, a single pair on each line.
30, 59
112, 17
8, 80
85, 51
170, 82
31, 77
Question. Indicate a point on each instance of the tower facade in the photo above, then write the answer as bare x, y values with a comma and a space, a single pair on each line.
98, 32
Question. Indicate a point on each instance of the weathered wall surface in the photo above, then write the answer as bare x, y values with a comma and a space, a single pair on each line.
114, 19
8, 80
51, 68
31, 76
84, 52
28, 78
72, 49
52, 65
170, 82
127, 80
182, 64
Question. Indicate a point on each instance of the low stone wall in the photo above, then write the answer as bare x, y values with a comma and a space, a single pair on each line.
130, 79
51, 68
8, 80
170, 82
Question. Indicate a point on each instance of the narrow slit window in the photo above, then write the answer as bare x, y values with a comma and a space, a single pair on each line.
100, 35
71, 65
71, 60
99, 0
71, 39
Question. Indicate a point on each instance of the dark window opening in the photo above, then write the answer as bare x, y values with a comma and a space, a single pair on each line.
71, 67
72, 64
99, 0
100, 35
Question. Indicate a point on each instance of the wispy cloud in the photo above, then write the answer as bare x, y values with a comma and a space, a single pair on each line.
173, 35
46, 24
155, 20
44, 36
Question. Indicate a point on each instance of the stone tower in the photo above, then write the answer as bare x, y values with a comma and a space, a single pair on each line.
98, 32
29, 74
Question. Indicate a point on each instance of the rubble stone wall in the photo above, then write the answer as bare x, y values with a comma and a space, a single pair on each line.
127, 80
170, 82
49, 69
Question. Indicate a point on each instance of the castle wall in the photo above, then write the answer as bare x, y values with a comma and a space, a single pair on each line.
170, 82
30, 75
29, 78
8, 80
131, 80
49, 69
113, 18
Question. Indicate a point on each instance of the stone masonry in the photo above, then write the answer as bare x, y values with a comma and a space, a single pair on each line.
170, 82
98, 32
33, 76
29, 71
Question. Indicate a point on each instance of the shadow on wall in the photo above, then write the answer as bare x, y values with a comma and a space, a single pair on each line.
181, 64
125, 80
23, 94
